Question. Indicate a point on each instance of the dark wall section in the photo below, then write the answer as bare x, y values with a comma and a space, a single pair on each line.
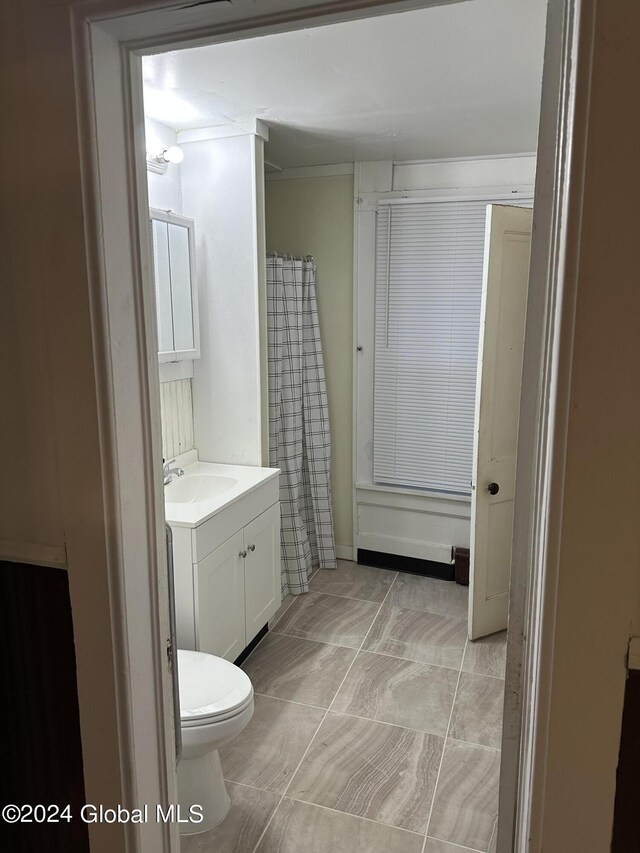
626, 821
40, 749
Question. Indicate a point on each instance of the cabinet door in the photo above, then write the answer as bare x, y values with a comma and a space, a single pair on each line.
162, 282
262, 570
173, 239
219, 594
181, 284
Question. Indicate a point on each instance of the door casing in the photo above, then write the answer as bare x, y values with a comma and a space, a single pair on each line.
110, 36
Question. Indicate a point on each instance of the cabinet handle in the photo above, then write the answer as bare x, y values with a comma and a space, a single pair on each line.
252, 547
242, 554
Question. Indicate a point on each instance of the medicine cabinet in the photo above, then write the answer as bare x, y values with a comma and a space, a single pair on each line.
175, 286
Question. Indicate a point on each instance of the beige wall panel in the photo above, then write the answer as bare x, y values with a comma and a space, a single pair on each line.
314, 216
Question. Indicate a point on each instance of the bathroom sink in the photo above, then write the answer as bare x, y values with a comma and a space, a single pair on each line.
196, 488
213, 489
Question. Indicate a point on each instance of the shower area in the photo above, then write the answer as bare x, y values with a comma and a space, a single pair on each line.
299, 432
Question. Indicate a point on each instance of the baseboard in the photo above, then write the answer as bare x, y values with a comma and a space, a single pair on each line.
411, 565
397, 542
344, 552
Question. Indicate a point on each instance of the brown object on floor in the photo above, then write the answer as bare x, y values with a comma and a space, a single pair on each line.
461, 565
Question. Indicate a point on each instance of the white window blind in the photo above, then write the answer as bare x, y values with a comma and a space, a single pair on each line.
429, 262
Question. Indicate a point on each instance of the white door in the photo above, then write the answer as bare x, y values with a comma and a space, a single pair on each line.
504, 303
262, 570
219, 594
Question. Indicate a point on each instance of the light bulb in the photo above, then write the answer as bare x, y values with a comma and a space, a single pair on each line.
174, 154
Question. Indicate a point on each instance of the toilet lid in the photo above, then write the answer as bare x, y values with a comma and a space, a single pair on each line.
210, 688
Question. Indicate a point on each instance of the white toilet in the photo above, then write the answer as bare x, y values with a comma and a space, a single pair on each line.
216, 703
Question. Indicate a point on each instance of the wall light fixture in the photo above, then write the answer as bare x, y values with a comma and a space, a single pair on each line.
159, 162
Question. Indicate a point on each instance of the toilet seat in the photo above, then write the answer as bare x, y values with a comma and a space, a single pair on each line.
211, 689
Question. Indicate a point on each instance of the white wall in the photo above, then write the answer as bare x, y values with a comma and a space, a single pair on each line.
176, 408
314, 215
464, 172
165, 190
223, 180
219, 181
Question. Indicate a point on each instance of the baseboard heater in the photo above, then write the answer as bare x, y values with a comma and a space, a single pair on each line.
412, 565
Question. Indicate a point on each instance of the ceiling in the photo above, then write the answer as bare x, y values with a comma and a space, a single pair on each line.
452, 81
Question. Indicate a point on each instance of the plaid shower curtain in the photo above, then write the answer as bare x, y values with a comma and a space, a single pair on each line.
299, 439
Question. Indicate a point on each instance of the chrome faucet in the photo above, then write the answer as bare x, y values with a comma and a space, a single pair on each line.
168, 471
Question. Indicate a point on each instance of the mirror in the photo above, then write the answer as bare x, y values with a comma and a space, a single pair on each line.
175, 286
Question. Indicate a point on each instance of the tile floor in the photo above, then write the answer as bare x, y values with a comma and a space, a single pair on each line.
376, 726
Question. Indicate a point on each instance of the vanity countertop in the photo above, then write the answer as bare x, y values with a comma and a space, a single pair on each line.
207, 488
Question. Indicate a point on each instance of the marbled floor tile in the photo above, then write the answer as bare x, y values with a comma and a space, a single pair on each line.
487, 656
268, 751
285, 604
477, 710
328, 618
417, 635
436, 596
301, 670
432, 845
465, 807
372, 770
397, 691
240, 831
297, 827
354, 581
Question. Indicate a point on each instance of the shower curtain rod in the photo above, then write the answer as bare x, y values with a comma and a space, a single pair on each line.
287, 257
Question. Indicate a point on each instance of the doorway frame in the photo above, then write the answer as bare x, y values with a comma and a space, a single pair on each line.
110, 36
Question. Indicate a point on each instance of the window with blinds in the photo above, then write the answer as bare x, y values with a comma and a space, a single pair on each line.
429, 264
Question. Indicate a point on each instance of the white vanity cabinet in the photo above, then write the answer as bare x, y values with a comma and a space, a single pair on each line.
262, 594
219, 595
237, 587
226, 556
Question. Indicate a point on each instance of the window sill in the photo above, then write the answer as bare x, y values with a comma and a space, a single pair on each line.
420, 493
